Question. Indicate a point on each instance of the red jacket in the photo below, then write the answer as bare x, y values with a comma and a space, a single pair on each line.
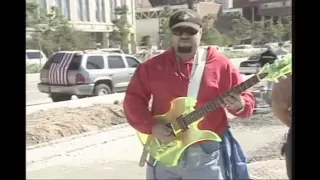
158, 77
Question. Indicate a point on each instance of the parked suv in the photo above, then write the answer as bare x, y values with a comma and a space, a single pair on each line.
86, 74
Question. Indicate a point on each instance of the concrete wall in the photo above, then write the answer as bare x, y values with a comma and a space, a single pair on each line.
208, 8
148, 27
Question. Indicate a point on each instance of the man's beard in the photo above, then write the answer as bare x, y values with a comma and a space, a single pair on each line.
184, 49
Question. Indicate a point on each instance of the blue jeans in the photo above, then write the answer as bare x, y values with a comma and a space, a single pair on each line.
208, 160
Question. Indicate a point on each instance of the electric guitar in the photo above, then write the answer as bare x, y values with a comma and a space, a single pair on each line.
184, 119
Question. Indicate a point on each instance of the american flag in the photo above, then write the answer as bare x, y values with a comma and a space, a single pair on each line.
58, 72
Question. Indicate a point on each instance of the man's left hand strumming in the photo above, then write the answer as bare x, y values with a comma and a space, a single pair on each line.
234, 102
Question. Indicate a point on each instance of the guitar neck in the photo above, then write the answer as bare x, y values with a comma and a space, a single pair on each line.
218, 102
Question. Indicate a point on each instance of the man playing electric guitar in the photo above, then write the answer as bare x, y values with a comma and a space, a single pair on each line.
167, 77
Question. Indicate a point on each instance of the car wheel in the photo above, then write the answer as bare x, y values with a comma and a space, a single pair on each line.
57, 97
101, 90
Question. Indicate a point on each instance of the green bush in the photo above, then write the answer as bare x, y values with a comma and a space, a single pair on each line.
33, 68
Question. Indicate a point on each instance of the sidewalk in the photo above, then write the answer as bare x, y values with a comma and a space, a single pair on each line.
118, 159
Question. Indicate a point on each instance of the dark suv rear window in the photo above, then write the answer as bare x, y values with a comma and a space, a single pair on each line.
57, 58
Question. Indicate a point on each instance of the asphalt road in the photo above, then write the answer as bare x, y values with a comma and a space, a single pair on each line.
33, 96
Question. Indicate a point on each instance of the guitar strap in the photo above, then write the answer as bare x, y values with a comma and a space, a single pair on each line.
197, 72
196, 75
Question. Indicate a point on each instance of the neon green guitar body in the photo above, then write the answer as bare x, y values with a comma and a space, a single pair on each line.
170, 153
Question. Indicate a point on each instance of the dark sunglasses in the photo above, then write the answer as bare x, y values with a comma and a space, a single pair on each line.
178, 31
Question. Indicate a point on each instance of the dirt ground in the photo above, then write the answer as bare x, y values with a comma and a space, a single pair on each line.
44, 126
269, 151
261, 137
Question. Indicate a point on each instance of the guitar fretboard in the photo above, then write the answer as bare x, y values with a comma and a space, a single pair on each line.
218, 102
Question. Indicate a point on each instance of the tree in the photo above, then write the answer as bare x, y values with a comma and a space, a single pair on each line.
288, 26
279, 31
164, 31
274, 32
241, 29
210, 35
53, 32
228, 40
257, 31
120, 36
32, 14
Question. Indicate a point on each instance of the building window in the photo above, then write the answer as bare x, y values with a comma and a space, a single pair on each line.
112, 7
123, 2
64, 6
100, 11
83, 10
43, 4
103, 10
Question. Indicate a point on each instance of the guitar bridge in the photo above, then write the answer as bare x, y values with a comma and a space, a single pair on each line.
183, 125
169, 125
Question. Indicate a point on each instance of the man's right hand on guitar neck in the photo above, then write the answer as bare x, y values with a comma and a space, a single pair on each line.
162, 132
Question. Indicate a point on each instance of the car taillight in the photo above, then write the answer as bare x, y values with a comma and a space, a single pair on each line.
80, 79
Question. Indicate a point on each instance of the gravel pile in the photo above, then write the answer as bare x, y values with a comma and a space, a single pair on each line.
44, 126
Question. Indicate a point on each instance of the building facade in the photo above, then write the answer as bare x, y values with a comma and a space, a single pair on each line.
148, 16
93, 16
260, 10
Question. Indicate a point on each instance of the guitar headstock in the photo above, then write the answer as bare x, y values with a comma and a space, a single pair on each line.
280, 68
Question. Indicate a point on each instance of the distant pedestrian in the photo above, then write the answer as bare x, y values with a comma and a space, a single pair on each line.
281, 50
267, 57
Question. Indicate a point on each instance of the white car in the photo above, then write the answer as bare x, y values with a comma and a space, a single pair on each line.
243, 48
34, 56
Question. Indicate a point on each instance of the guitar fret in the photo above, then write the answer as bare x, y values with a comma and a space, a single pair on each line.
207, 108
218, 102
